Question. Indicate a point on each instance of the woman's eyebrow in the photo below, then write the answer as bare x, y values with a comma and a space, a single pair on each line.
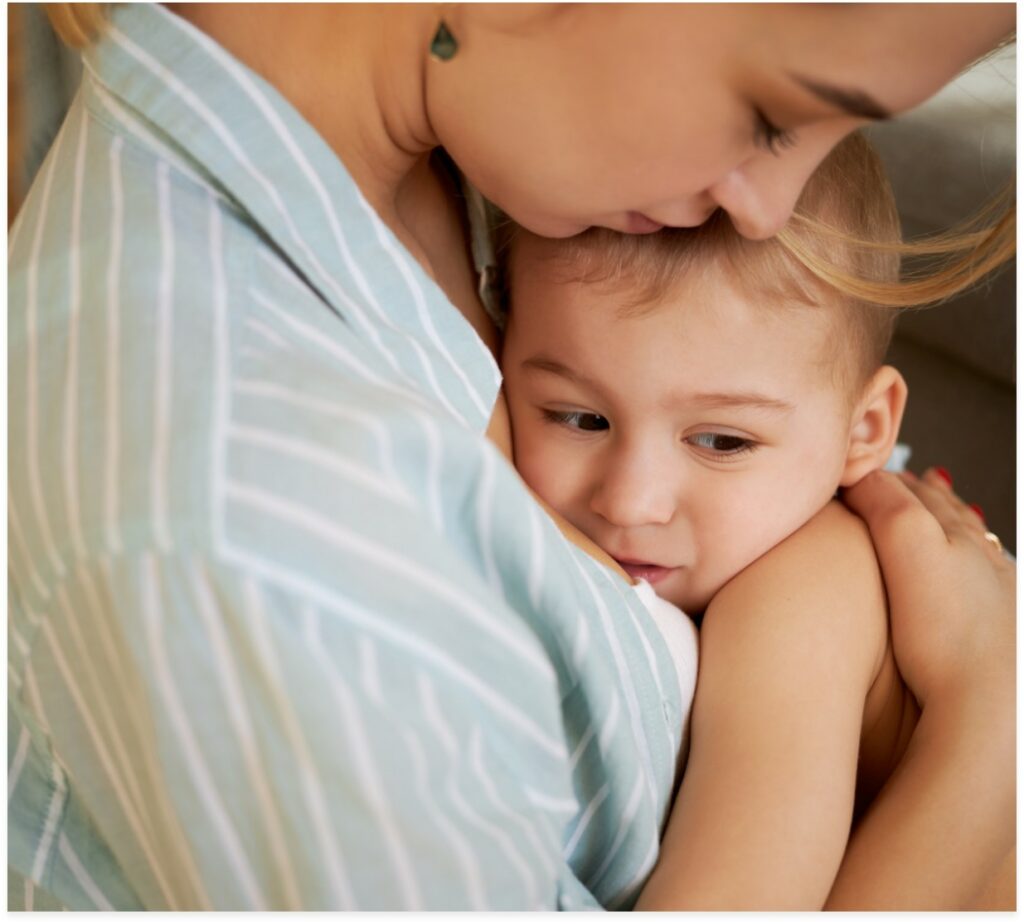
854, 102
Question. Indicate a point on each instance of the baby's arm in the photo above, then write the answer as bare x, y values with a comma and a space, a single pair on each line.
790, 650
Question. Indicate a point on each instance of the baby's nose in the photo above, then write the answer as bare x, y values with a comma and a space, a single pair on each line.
634, 497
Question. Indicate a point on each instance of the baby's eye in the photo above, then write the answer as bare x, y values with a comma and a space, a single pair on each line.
723, 444
578, 420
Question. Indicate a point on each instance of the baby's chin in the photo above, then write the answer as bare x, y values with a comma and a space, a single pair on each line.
691, 601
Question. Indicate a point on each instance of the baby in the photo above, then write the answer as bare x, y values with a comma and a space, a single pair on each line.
688, 399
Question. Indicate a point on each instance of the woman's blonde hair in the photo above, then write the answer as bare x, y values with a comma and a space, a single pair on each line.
77, 24
937, 268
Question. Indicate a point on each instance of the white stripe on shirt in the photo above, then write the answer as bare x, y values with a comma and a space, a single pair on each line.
18, 764
113, 350
194, 760
60, 789
14, 522
31, 361
72, 387
435, 719
294, 582
472, 877
317, 809
81, 875
384, 558
238, 714
164, 370
109, 767
222, 370
366, 773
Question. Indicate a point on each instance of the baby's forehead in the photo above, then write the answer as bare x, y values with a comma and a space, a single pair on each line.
816, 328
652, 283
812, 325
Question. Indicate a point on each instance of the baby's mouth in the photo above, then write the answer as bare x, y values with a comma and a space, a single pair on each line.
646, 571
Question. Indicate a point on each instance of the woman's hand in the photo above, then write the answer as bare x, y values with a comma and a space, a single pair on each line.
951, 591
943, 825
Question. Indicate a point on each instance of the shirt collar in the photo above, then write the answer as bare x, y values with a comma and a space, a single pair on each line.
279, 170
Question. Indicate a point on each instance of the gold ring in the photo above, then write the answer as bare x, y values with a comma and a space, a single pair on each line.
994, 539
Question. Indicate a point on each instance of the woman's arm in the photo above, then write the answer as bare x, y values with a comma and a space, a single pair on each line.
946, 818
945, 821
789, 649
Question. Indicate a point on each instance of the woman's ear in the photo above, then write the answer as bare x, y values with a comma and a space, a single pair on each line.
875, 424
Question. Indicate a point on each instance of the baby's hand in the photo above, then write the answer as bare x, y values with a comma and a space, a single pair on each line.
951, 591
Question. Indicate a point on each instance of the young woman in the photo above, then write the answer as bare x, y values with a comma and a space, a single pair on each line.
287, 632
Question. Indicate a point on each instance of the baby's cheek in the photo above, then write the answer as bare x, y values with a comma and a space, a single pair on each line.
544, 469
749, 526
776, 517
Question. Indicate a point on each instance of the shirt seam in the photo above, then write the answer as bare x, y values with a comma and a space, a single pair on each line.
140, 146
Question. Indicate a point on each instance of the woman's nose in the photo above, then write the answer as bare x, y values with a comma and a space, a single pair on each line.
761, 193
634, 494
757, 210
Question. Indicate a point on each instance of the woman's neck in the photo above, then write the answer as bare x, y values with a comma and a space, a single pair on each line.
355, 72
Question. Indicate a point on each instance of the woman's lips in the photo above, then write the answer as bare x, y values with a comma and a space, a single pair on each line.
638, 223
645, 571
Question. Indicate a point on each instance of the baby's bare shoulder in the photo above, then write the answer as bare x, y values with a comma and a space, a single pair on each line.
821, 581
832, 549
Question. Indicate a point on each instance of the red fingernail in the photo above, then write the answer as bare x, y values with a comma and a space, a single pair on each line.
978, 511
943, 474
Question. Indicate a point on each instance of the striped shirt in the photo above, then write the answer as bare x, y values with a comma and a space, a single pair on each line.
284, 630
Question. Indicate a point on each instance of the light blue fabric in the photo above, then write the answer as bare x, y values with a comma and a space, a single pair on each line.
285, 631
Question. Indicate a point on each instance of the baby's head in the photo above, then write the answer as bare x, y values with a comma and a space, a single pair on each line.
690, 398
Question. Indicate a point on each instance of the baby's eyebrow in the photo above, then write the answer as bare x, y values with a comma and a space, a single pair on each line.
709, 399
716, 399
547, 364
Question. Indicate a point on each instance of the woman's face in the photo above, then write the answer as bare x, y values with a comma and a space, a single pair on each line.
637, 116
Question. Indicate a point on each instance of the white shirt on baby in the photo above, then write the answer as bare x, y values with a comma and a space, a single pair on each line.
681, 638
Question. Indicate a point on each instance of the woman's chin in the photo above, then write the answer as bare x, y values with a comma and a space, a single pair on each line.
550, 226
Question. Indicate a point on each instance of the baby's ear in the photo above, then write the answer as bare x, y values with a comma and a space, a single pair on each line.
875, 424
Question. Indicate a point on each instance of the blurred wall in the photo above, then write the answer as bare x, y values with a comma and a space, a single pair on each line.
946, 159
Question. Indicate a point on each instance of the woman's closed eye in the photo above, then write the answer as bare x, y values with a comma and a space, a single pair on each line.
577, 420
722, 445
770, 136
